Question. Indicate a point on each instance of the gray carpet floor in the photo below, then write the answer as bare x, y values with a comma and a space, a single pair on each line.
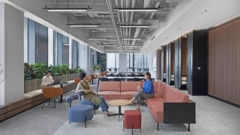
213, 118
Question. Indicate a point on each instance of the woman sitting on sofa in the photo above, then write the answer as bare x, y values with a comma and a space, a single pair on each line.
84, 86
146, 92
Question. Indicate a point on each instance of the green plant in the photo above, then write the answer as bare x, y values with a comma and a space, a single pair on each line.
56, 70
64, 69
75, 70
29, 73
96, 67
102, 62
40, 69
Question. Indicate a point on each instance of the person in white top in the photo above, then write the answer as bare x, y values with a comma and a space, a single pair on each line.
47, 79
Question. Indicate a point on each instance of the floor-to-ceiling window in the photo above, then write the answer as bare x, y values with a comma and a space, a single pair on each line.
137, 62
74, 53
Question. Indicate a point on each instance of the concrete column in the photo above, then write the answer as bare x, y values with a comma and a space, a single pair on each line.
11, 54
83, 57
123, 62
158, 64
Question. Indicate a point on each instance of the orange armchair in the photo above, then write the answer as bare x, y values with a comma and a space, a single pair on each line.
51, 92
77, 80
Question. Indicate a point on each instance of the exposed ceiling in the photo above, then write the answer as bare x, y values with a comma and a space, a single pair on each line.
104, 12
174, 18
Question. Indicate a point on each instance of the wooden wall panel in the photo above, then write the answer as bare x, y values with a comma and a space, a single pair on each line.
211, 70
224, 62
238, 71
184, 56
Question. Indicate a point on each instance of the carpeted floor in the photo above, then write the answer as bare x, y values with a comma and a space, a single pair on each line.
213, 118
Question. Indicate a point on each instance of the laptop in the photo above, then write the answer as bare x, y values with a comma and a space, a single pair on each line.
57, 81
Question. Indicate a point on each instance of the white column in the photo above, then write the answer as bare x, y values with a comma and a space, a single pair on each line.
2, 55
50, 46
11, 54
70, 52
83, 57
123, 62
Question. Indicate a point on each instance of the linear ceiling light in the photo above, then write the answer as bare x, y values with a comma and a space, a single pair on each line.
84, 25
138, 9
101, 39
66, 9
131, 39
142, 26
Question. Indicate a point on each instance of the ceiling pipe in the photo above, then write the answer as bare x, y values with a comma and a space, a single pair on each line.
122, 6
132, 16
119, 19
127, 15
113, 21
147, 4
156, 6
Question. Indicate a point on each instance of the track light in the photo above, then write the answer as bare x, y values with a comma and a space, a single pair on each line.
138, 9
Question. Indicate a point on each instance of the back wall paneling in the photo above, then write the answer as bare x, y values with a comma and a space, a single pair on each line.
224, 62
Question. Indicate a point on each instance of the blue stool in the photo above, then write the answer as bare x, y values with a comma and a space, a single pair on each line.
86, 102
70, 98
80, 113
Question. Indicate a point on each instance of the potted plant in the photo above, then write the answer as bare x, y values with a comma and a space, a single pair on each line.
96, 68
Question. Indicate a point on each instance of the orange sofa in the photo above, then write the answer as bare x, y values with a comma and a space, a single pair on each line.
169, 105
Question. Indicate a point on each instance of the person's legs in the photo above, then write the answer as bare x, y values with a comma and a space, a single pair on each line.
141, 97
136, 95
103, 100
103, 106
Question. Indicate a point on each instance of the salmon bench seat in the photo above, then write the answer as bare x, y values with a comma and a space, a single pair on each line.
169, 105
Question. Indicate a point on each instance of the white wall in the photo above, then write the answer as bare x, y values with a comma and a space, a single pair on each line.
150, 62
13, 59
123, 62
2, 54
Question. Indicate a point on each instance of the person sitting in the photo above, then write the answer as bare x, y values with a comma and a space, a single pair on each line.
146, 92
84, 86
47, 79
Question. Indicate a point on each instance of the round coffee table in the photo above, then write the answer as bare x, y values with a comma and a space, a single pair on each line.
119, 103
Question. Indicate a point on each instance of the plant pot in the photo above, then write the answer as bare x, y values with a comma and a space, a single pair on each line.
27, 86
39, 82
63, 78
33, 84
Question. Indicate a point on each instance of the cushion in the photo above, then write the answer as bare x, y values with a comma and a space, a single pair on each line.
33, 93
156, 109
127, 94
109, 86
110, 94
132, 86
